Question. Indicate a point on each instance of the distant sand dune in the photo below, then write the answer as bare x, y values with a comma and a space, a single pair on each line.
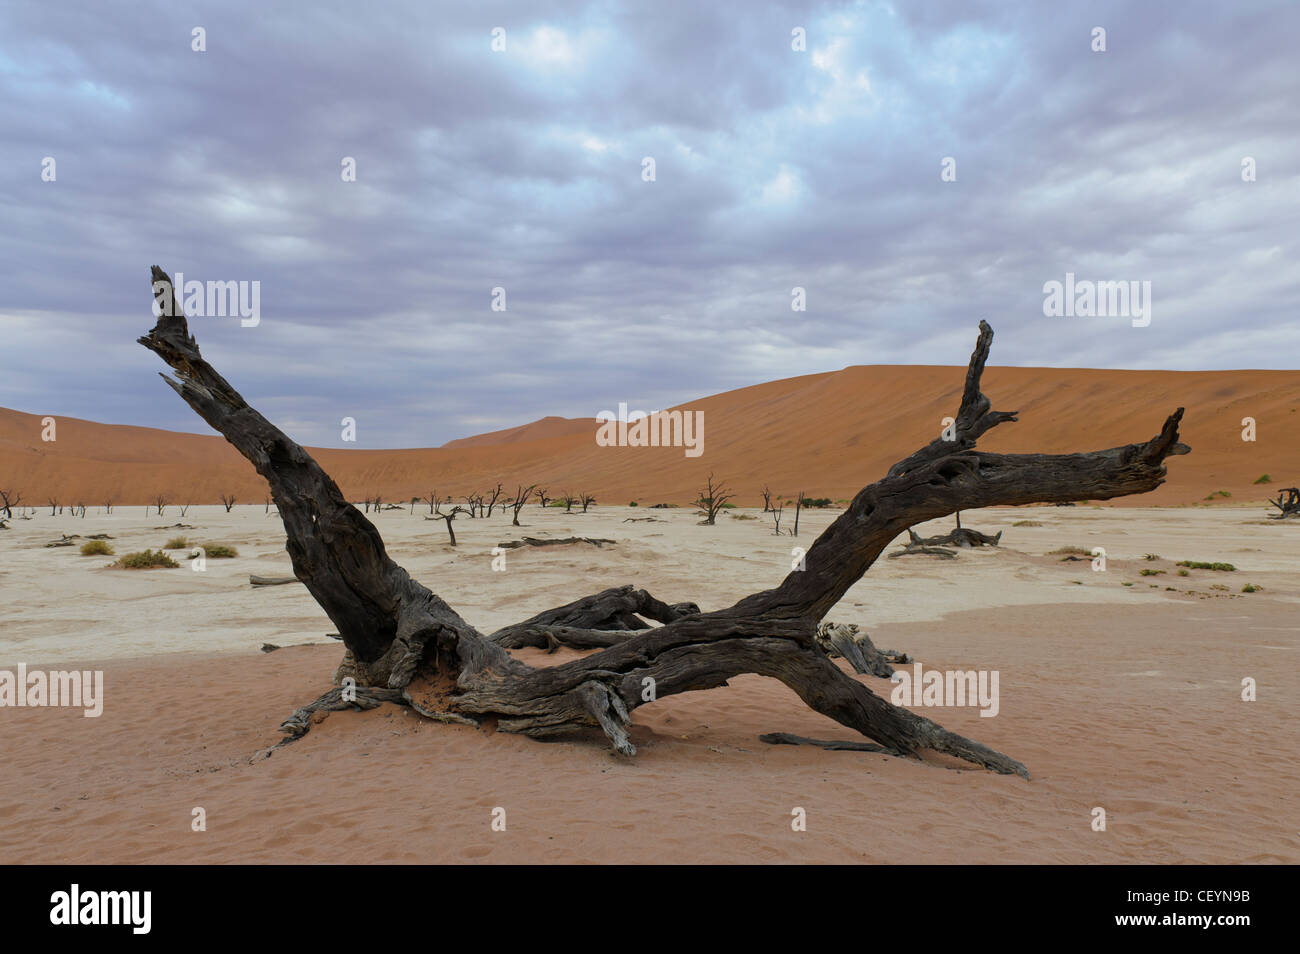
827, 434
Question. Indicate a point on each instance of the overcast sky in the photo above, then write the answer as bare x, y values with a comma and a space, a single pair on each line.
523, 169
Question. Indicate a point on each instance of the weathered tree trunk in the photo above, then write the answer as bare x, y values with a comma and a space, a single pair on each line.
405, 644
1289, 505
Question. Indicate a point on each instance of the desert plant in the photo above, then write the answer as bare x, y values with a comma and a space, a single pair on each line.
176, 543
1201, 565
219, 551
96, 548
1263, 479
146, 559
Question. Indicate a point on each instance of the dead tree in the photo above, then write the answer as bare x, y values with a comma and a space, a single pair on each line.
776, 516
159, 503
228, 501
568, 500
586, 500
432, 500
491, 501
1289, 505
449, 516
521, 497
542, 498
54, 505
108, 504
712, 497
8, 500
767, 499
405, 645
185, 508
798, 506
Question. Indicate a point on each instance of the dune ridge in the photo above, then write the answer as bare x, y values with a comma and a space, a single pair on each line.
827, 434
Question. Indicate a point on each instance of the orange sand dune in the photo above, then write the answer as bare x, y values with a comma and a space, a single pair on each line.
537, 430
826, 434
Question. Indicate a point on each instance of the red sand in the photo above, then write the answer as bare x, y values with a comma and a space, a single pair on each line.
1141, 716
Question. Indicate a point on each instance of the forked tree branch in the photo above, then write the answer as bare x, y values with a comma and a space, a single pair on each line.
404, 642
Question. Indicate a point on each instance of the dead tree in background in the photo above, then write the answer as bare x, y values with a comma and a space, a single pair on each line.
159, 503
405, 645
767, 499
54, 505
776, 516
108, 504
798, 506
712, 497
586, 500
568, 500
228, 501
1290, 506
492, 501
432, 500
8, 500
522, 494
185, 509
542, 498
449, 516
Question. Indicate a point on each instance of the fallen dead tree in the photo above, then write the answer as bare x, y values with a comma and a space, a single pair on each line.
271, 580
559, 541
961, 537
1288, 502
406, 645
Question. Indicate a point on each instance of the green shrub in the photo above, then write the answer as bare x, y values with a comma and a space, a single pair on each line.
146, 559
632, 504
1183, 573
1070, 551
1152, 572
816, 501
177, 543
1026, 523
219, 551
1251, 588
1201, 565
96, 548
1264, 479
